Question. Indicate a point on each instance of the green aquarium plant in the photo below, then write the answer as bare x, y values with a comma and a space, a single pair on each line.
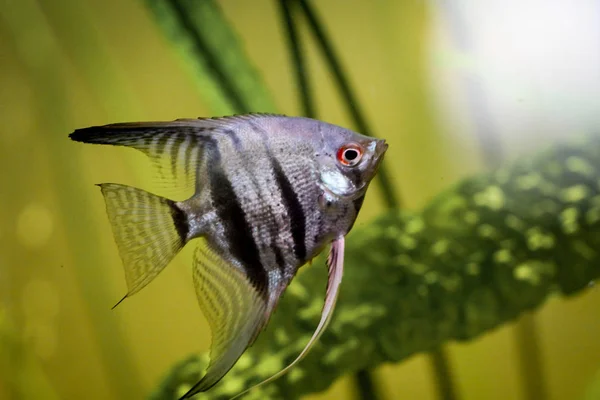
213, 54
480, 254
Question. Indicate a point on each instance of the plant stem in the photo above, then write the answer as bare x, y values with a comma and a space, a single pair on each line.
530, 358
302, 82
390, 197
365, 383
364, 379
441, 367
438, 357
230, 91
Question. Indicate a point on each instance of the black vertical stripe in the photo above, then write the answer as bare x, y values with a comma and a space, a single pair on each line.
237, 143
291, 203
180, 221
294, 210
290, 199
237, 229
357, 203
279, 259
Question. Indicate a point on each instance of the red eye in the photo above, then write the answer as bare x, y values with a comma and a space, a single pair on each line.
350, 154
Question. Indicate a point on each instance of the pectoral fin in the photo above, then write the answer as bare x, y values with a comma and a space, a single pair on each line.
236, 311
335, 265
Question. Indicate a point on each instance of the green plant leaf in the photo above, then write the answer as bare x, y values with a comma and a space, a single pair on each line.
211, 51
481, 253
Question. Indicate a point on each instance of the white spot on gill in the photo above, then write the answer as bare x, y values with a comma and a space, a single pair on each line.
336, 182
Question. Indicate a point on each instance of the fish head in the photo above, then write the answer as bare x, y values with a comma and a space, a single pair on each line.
348, 161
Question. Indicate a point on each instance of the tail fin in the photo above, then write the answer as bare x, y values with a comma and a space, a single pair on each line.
149, 231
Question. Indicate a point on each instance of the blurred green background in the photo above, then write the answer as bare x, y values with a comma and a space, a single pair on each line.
437, 79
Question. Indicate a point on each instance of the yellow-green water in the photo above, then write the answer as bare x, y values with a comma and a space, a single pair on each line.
72, 63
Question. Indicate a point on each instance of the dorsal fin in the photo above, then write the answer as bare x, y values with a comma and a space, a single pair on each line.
175, 147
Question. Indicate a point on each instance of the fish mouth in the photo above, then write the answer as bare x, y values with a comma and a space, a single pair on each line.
380, 147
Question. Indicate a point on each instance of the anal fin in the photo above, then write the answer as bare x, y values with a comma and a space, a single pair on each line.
335, 266
236, 311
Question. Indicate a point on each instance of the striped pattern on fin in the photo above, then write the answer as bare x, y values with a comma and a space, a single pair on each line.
335, 266
235, 309
173, 147
149, 231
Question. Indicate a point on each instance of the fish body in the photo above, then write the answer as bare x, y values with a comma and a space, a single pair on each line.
270, 193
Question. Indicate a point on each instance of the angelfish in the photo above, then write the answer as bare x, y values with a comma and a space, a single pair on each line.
270, 192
